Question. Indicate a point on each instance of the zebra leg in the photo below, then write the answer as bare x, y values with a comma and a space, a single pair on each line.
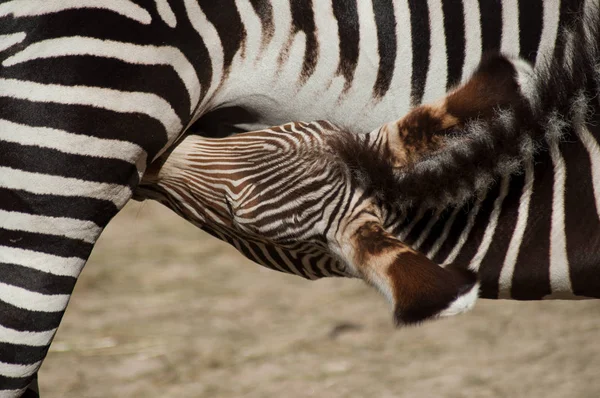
87, 95
62, 179
52, 214
70, 157
33, 390
418, 288
69, 161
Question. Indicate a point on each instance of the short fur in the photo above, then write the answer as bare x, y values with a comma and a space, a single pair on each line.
474, 157
488, 128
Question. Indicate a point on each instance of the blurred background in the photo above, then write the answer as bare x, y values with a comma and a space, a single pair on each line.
164, 310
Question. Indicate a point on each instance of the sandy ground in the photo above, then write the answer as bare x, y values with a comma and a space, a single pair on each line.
163, 310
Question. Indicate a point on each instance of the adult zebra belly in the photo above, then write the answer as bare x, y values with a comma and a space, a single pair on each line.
359, 64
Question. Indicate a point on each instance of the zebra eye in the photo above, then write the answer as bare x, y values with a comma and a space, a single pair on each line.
229, 207
295, 218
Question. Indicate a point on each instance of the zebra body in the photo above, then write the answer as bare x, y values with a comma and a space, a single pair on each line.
91, 92
365, 86
324, 199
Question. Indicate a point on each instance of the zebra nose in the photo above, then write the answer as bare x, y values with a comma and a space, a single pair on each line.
432, 291
418, 288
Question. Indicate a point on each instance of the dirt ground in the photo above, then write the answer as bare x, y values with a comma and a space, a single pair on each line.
164, 310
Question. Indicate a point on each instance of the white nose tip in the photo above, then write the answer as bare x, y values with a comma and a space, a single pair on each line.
463, 303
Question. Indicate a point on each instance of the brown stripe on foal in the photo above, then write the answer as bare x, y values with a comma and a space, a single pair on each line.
417, 287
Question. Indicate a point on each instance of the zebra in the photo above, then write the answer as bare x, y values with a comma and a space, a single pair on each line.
91, 92
289, 197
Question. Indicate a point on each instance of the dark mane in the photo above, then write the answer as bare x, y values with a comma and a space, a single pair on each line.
564, 93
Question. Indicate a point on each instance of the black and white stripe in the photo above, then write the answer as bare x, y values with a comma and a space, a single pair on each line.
532, 234
90, 92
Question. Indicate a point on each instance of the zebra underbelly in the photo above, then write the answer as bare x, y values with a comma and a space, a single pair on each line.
377, 74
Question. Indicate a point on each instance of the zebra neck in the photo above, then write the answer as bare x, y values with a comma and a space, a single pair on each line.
534, 234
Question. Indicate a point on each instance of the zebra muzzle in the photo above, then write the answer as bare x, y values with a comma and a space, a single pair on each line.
418, 288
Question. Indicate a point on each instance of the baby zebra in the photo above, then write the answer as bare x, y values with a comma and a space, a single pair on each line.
314, 199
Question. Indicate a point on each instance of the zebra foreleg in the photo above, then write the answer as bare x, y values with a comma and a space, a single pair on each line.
33, 390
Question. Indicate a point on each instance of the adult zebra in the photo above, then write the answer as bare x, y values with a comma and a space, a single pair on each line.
504, 157
92, 91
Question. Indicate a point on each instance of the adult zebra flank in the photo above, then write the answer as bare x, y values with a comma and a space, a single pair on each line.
91, 92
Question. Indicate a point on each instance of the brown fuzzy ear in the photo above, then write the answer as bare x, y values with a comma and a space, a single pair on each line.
495, 84
418, 288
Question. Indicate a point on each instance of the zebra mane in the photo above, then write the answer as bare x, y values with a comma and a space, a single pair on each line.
563, 93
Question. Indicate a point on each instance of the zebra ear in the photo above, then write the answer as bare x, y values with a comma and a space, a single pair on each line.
418, 288
497, 83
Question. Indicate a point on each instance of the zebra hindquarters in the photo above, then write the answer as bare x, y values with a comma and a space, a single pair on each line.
417, 288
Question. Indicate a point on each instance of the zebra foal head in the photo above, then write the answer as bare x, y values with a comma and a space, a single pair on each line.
306, 198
